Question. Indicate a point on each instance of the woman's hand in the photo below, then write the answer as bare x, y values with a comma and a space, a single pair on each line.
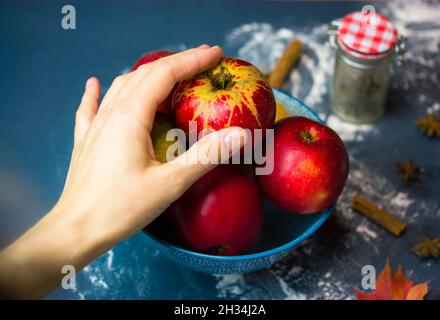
114, 186
113, 177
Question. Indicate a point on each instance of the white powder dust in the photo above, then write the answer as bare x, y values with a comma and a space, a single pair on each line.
289, 293
401, 200
230, 284
419, 22
348, 131
434, 108
263, 45
363, 229
241, 286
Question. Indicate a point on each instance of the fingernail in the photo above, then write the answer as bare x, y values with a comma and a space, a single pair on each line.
204, 46
88, 83
234, 139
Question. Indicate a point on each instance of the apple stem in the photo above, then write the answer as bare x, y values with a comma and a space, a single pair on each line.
307, 136
221, 80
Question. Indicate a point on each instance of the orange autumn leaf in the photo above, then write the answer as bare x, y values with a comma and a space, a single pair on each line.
394, 287
418, 292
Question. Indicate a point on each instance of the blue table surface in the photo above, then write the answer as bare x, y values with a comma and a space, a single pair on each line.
43, 72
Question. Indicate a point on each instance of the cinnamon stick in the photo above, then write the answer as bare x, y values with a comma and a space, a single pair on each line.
285, 64
383, 218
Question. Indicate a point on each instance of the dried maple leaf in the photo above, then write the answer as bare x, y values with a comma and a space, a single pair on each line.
394, 287
429, 125
427, 248
409, 171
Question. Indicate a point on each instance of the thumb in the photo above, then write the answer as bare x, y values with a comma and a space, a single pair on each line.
207, 153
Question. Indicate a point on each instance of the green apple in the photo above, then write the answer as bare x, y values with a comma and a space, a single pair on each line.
162, 125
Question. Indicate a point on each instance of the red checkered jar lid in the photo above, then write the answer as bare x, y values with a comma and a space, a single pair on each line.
367, 35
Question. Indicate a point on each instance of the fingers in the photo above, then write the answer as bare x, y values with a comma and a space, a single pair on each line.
87, 108
124, 85
145, 68
206, 154
165, 73
114, 89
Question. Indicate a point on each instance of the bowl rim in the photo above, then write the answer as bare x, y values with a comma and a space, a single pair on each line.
251, 256
300, 102
257, 255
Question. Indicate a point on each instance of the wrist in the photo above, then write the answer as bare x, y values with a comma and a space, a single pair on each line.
81, 236
32, 265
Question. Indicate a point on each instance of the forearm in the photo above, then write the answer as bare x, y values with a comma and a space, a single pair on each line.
31, 266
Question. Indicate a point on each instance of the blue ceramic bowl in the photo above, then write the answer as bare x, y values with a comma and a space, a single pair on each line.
282, 231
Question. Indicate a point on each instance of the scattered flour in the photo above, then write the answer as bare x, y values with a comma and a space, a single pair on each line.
418, 21
434, 108
348, 131
96, 275
98, 281
330, 290
262, 45
259, 43
295, 271
402, 200
240, 285
289, 293
230, 284
363, 229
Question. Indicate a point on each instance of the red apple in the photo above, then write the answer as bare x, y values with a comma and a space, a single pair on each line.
233, 93
222, 213
165, 106
310, 166
150, 57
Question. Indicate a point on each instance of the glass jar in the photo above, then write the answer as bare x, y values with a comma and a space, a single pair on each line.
364, 50
359, 88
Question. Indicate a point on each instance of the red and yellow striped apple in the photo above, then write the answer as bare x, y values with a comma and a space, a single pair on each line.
233, 93
310, 166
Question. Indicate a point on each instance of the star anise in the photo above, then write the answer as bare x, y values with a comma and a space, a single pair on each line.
409, 171
429, 125
427, 248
